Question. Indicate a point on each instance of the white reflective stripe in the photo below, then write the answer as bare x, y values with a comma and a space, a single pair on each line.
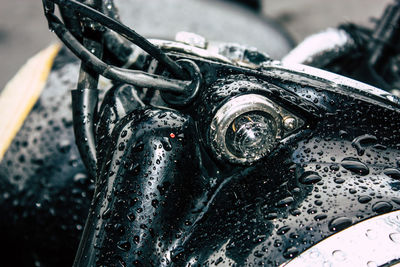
373, 242
21, 93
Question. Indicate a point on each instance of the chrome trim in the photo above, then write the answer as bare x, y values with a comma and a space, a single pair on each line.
213, 51
232, 110
210, 53
285, 71
320, 49
373, 242
236, 107
192, 39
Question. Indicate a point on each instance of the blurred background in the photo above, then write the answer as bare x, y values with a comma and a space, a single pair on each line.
23, 29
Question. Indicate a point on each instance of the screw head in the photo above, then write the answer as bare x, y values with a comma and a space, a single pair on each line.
289, 123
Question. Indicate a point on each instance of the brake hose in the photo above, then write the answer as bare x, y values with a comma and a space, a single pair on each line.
116, 26
89, 51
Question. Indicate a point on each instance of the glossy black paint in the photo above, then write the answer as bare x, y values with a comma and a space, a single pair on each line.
339, 169
45, 192
162, 198
142, 189
333, 175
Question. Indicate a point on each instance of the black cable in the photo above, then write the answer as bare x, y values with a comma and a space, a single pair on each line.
137, 78
124, 31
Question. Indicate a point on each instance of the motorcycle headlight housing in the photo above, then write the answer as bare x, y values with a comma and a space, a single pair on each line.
248, 127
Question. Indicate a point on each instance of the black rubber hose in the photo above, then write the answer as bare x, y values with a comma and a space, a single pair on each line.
137, 78
126, 32
84, 105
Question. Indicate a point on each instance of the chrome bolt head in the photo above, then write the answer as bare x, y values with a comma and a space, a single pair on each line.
289, 123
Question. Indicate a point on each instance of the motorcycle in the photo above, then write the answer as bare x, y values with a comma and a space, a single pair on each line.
197, 152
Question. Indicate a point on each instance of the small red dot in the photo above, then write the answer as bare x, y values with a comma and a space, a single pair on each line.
172, 135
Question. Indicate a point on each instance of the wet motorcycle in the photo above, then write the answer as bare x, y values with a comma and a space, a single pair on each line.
196, 152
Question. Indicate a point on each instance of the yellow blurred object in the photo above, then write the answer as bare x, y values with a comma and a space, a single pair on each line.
21, 93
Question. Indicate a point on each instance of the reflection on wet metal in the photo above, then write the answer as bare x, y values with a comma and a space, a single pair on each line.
321, 48
324, 78
373, 242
